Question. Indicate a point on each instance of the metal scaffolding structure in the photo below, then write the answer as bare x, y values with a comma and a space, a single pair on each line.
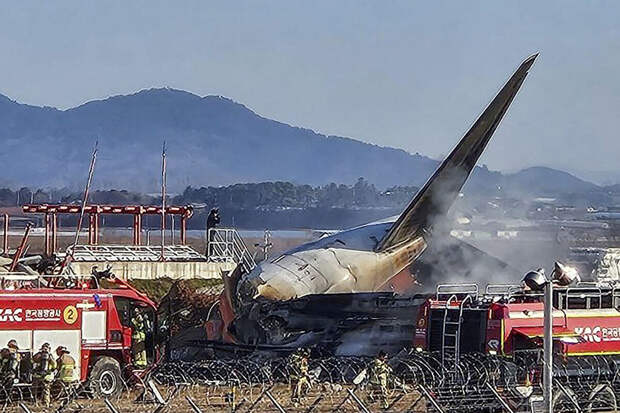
51, 212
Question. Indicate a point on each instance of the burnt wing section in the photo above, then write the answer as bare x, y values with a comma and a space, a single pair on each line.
440, 191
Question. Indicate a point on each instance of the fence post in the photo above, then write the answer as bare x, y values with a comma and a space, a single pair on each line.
24, 407
358, 401
258, 399
158, 397
430, 398
499, 398
193, 405
110, 406
275, 402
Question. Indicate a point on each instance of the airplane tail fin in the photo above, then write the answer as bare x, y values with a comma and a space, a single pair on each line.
440, 191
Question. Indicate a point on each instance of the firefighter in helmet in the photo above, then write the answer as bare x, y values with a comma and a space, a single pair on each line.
44, 369
9, 367
138, 336
379, 374
213, 219
65, 365
300, 379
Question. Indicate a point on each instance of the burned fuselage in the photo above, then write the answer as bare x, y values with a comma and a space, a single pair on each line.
345, 262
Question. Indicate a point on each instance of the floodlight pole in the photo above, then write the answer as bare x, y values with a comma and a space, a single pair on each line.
163, 202
548, 349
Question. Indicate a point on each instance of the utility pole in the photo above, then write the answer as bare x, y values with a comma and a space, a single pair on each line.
163, 201
548, 348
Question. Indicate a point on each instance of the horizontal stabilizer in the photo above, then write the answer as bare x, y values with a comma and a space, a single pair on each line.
438, 194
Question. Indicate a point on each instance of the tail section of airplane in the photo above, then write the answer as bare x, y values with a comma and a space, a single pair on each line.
440, 191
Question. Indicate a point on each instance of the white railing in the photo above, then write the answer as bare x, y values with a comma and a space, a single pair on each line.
462, 290
226, 245
118, 253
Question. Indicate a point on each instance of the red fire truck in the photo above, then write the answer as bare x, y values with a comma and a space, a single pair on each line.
89, 315
506, 319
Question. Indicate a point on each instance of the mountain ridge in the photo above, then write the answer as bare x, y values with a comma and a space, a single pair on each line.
212, 140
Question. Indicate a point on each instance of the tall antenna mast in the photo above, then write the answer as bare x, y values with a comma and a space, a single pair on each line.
163, 200
91, 170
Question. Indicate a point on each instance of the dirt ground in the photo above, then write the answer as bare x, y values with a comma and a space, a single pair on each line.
322, 398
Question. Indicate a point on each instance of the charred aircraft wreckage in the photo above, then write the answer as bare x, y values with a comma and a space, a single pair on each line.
338, 291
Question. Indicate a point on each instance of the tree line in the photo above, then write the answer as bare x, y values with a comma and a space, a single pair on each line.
286, 195
266, 196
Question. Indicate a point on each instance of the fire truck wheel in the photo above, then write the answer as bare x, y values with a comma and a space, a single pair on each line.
106, 379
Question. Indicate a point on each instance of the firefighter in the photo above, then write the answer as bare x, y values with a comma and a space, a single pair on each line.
300, 379
138, 336
9, 368
65, 365
44, 369
379, 374
213, 219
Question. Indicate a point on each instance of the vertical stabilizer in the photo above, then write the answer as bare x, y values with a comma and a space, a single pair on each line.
439, 193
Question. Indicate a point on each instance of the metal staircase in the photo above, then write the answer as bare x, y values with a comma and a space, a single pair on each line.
226, 245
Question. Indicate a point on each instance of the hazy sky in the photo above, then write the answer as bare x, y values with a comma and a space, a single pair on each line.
413, 75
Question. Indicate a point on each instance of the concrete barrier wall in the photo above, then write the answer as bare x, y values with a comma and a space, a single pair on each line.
136, 270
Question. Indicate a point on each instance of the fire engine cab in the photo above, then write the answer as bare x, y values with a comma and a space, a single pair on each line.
509, 318
89, 315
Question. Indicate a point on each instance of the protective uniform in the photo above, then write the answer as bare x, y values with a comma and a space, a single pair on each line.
213, 219
138, 337
44, 369
298, 367
65, 365
379, 373
9, 366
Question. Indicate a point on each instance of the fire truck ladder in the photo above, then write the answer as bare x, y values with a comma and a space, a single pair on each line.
451, 333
